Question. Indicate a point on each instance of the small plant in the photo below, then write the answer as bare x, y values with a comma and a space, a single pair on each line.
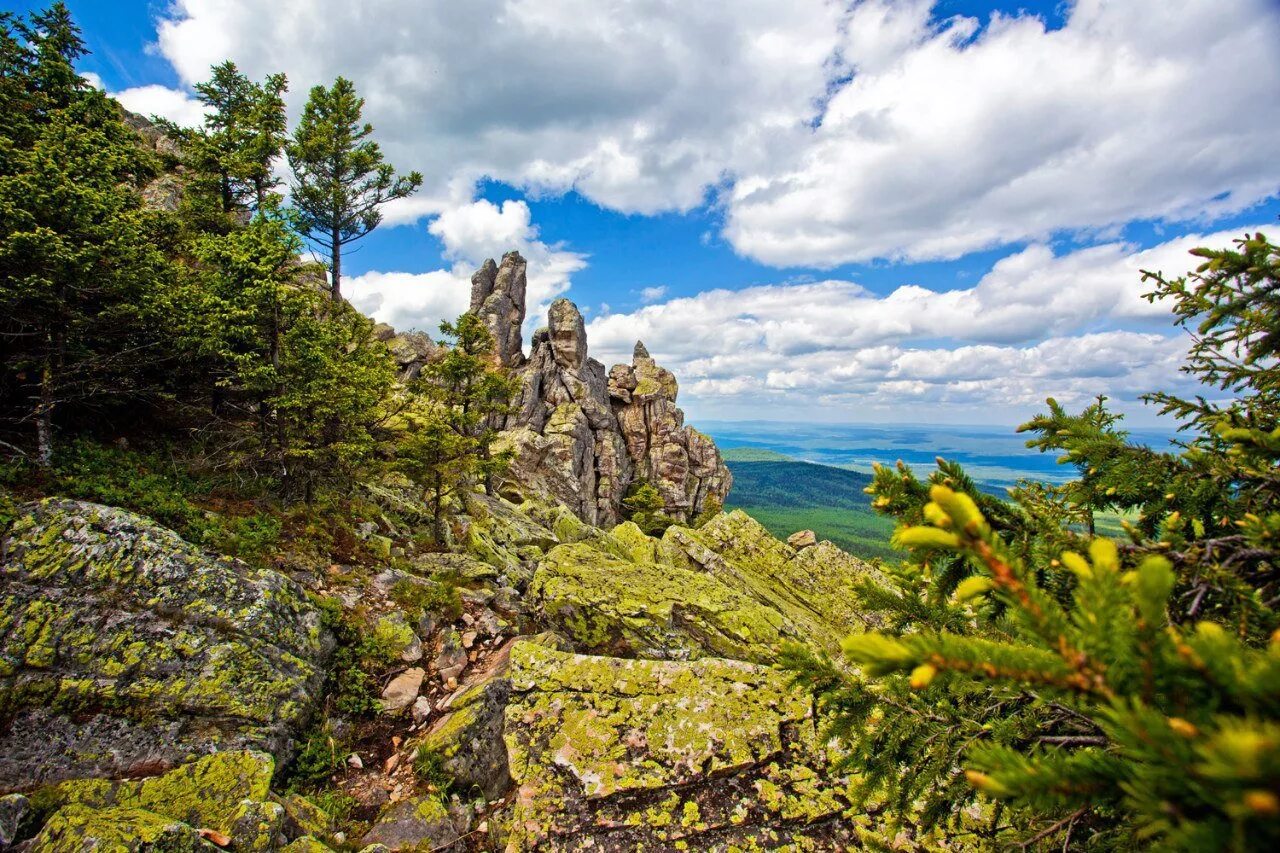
321, 756
429, 767
350, 686
339, 805
439, 596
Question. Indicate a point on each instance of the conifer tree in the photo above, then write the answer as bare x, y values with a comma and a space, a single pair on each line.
304, 371
1101, 693
77, 263
340, 180
243, 134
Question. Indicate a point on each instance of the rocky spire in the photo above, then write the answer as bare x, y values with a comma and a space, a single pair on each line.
568, 334
582, 435
498, 298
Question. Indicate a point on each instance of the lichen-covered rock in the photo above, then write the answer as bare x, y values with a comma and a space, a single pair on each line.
728, 589
613, 754
124, 649
422, 823
468, 736
76, 829
13, 807
209, 792
610, 605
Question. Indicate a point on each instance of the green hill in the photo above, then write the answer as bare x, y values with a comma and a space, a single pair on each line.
753, 454
786, 496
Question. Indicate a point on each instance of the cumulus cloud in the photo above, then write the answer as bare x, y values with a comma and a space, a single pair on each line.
948, 140
471, 232
155, 100
1037, 324
830, 132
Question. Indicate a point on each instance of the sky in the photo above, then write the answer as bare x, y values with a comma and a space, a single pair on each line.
872, 211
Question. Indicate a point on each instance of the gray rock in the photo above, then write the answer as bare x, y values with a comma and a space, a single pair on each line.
98, 600
422, 823
802, 539
12, 809
403, 689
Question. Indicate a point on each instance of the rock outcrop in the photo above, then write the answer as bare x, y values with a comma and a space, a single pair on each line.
582, 435
124, 648
612, 754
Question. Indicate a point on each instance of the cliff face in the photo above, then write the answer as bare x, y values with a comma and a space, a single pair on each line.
581, 435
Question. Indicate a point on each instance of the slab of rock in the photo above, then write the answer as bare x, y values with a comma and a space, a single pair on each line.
403, 689
802, 539
128, 649
613, 754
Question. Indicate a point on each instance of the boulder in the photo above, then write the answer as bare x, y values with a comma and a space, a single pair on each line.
612, 754
403, 689
418, 823
802, 539
126, 649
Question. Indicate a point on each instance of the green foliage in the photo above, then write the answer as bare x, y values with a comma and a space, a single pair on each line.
460, 400
230, 158
301, 377
351, 688
340, 180
711, 507
440, 597
320, 756
429, 766
644, 505
785, 496
78, 266
1068, 672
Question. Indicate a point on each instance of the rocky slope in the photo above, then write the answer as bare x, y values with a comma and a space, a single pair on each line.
582, 436
600, 689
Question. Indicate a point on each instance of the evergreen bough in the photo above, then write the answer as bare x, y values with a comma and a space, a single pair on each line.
1034, 683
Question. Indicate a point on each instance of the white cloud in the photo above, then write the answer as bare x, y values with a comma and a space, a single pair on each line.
408, 300
155, 100
945, 142
1036, 325
930, 141
470, 232
653, 294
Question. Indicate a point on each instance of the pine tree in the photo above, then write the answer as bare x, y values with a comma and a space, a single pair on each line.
340, 180
304, 371
461, 402
1101, 693
77, 263
243, 134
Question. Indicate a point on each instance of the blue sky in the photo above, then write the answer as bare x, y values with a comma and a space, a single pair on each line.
886, 210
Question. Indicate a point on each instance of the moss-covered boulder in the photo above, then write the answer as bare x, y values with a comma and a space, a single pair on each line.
613, 754
76, 829
209, 792
729, 589
610, 605
124, 648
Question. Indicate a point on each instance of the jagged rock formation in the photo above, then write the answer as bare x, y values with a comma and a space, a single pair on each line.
581, 435
123, 648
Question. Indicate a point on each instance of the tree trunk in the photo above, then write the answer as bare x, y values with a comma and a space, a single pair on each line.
44, 418
336, 266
